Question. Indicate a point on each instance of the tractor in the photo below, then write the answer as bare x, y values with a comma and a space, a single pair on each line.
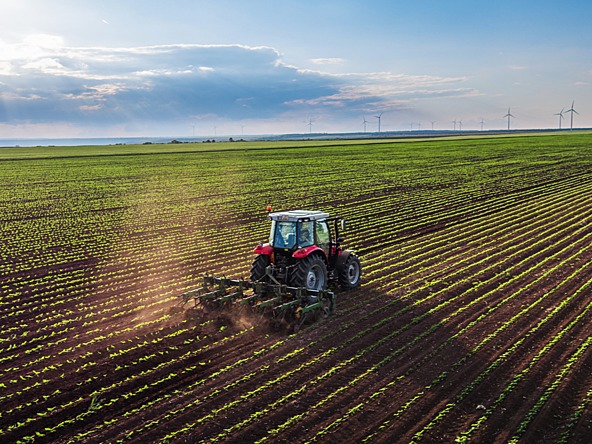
291, 274
303, 251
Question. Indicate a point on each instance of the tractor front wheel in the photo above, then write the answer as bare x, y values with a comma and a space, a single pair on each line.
260, 263
310, 272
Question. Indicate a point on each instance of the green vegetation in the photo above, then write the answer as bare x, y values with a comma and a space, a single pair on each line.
477, 263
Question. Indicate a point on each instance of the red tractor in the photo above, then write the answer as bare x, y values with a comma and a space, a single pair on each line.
304, 250
291, 273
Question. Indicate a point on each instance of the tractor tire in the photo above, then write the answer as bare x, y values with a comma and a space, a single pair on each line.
260, 263
349, 274
310, 272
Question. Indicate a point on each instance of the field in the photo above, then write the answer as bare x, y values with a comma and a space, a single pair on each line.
472, 323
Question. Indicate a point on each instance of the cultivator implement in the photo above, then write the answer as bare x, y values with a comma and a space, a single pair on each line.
287, 305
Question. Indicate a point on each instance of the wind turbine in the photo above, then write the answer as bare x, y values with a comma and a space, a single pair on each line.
509, 115
460, 125
560, 114
309, 125
364, 123
378, 117
454, 121
571, 111
433, 121
482, 122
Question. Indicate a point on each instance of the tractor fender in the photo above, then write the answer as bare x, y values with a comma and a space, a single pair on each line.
301, 253
263, 249
342, 258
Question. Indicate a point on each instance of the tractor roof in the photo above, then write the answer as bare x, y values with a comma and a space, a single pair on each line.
298, 215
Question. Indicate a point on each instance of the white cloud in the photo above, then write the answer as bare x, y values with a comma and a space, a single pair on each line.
384, 90
43, 41
46, 66
90, 107
5, 68
328, 61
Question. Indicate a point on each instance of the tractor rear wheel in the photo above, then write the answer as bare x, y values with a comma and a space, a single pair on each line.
350, 272
310, 272
260, 263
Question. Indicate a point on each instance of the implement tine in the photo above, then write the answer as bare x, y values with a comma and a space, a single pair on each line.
286, 305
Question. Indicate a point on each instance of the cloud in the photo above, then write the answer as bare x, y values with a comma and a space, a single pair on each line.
46, 66
43, 41
90, 107
328, 61
42, 81
385, 90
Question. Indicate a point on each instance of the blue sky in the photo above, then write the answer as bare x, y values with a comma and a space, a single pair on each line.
80, 68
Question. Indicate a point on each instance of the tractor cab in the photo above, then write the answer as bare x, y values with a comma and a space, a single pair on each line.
304, 250
292, 230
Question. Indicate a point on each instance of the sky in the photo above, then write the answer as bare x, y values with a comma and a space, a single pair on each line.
213, 68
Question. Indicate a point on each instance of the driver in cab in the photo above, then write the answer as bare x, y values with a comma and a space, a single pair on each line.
305, 238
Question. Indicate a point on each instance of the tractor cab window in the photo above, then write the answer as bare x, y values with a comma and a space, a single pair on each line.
323, 235
305, 234
283, 234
